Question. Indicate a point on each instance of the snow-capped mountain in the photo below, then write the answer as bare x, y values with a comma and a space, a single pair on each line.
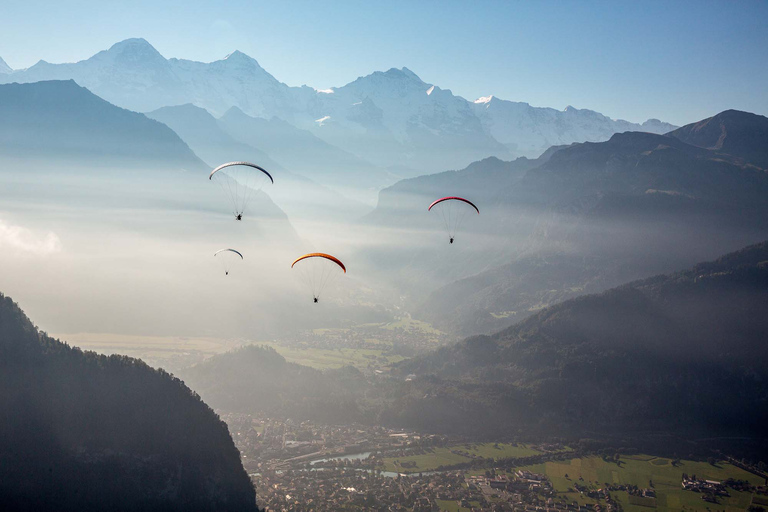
528, 131
392, 119
4, 68
396, 119
133, 75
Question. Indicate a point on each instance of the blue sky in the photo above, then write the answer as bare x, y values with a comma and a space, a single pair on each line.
675, 60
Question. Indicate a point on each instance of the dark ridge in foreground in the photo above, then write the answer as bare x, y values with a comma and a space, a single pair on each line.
81, 431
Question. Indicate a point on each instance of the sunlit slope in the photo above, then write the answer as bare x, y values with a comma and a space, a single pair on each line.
81, 431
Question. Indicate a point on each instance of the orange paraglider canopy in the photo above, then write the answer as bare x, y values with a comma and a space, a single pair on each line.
321, 255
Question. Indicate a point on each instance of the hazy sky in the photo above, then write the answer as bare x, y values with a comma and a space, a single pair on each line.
679, 61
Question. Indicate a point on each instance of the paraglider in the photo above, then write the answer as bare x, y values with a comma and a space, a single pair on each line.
453, 210
239, 181
227, 257
318, 270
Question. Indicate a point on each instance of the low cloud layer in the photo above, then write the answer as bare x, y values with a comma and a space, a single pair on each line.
21, 239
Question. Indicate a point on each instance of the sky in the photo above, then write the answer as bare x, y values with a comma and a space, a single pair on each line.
678, 61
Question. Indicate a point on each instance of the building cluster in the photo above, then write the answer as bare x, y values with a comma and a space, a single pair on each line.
308, 466
710, 489
355, 489
286, 444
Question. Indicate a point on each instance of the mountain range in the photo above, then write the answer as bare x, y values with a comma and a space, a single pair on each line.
580, 219
392, 119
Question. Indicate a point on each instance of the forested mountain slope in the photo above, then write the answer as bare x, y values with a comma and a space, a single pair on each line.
682, 352
81, 431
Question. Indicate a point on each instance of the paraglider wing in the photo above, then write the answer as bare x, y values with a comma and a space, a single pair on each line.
321, 255
470, 203
231, 250
318, 270
452, 209
238, 181
247, 164
227, 258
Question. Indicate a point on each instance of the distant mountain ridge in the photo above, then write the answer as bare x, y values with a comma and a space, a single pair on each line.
81, 431
61, 120
580, 219
217, 141
733, 132
391, 118
529, 131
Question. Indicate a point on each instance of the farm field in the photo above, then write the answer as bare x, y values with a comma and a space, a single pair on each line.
646, 471
169, 352
409, 324
445, 456
453, 506
322, 359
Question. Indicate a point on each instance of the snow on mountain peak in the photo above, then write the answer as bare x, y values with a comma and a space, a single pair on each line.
325, 91
4, 68
135, 45
484, 99
239, 58
322, 120
237, 54
403, 73
429, 91
410, 74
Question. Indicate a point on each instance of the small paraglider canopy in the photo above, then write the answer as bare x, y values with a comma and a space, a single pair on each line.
453, 209
227, 257
238, 181
318, 270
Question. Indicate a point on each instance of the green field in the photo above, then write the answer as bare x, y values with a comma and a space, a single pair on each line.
322, 358
504, 314
443, 456
453, 506
409, 323
641, 470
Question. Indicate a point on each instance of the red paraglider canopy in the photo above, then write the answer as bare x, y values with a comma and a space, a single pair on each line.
454, 198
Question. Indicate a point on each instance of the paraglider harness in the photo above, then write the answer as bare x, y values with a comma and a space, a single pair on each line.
239, 216
315, 299
451, 240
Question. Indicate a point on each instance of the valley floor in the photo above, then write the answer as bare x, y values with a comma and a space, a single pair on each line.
306, 466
